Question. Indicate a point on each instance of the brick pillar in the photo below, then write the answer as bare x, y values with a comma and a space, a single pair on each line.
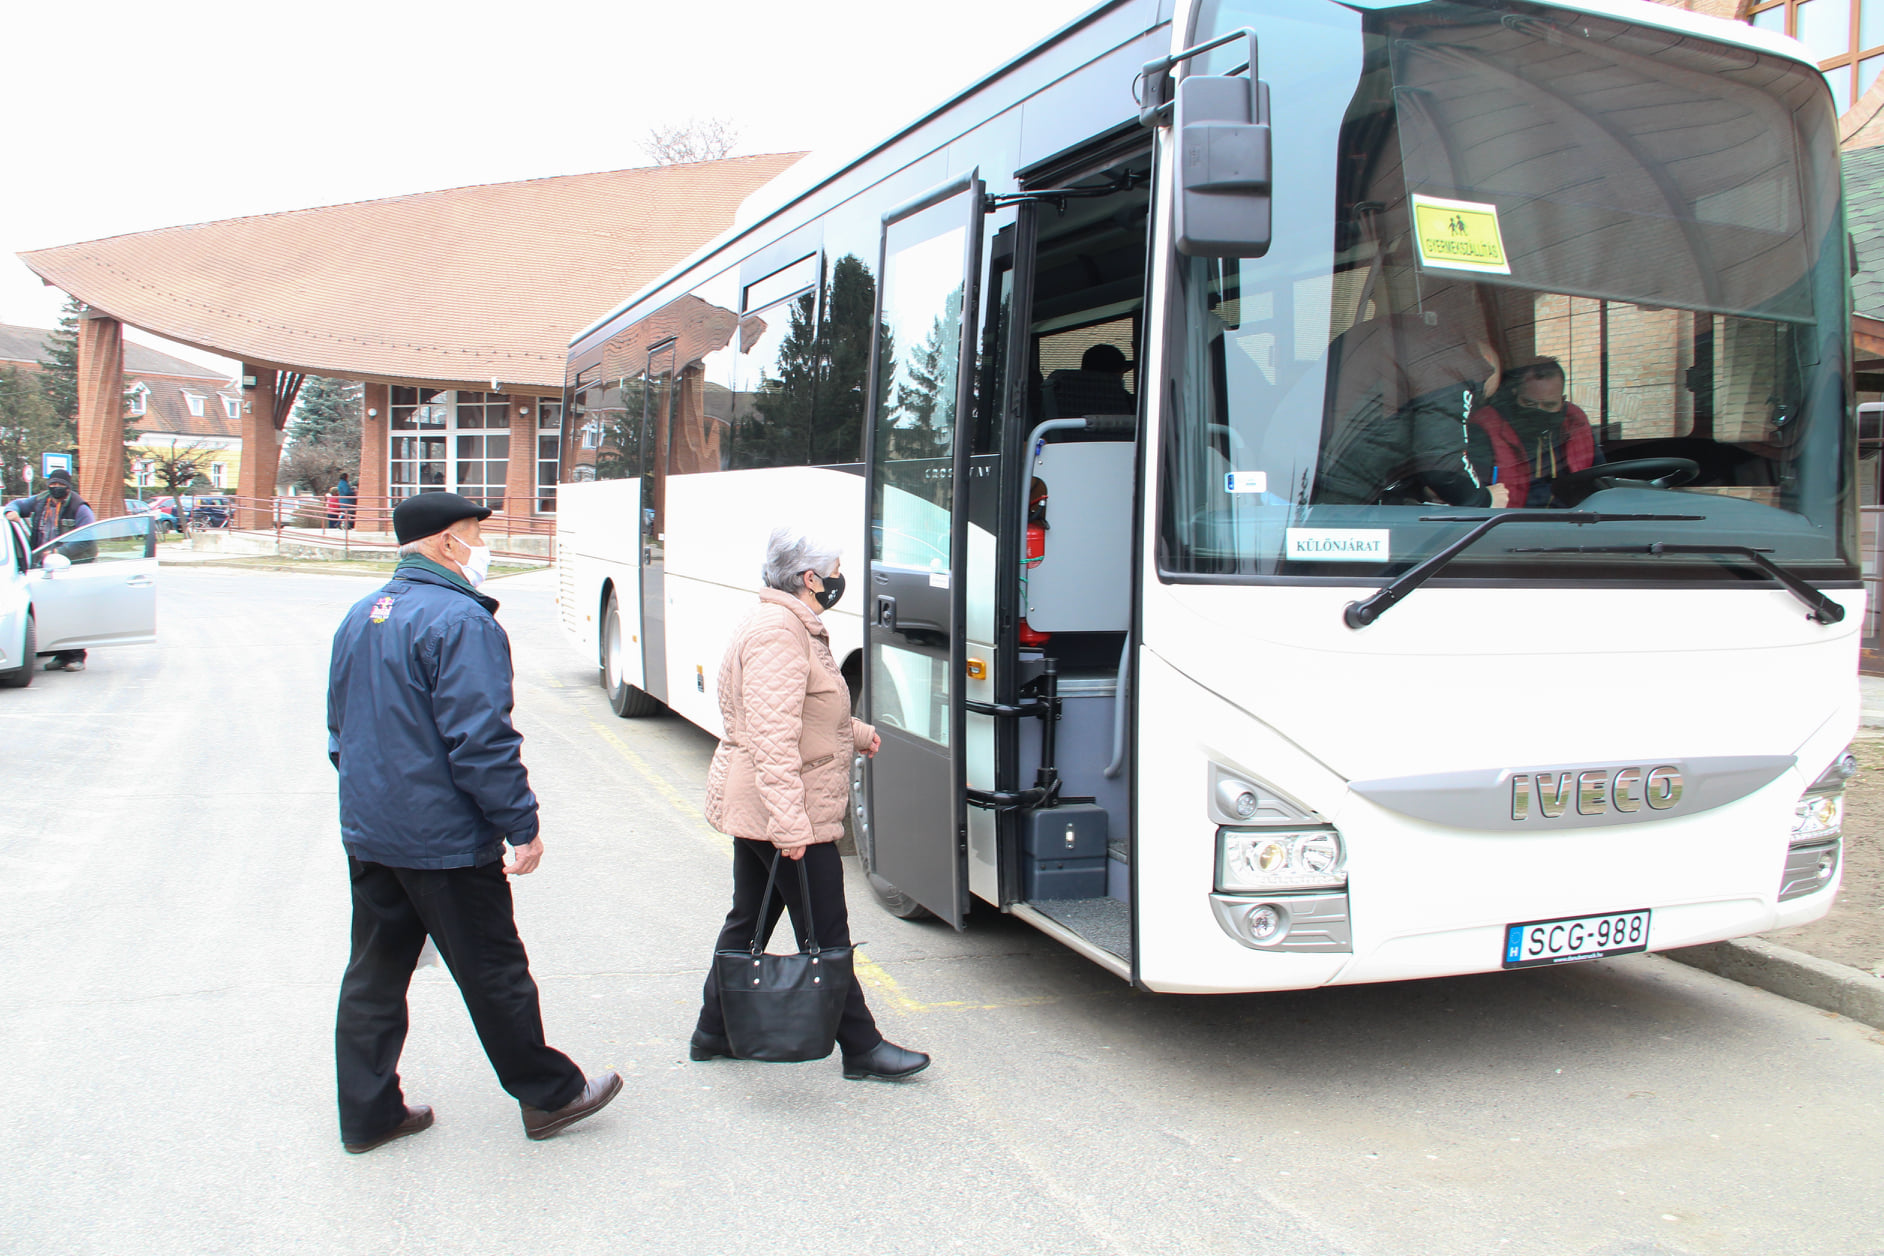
261, 447
101, 413
520, 474
371, 482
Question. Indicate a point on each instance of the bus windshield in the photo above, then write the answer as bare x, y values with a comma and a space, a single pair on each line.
1522, 258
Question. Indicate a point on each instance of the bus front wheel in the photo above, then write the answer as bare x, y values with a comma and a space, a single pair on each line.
626, 700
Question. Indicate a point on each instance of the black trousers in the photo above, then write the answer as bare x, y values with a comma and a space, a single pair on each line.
824, 871
469, 915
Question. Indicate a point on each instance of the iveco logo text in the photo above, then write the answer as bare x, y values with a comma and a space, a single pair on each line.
1595, 791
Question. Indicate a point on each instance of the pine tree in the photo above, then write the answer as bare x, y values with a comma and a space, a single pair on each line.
58, 373
28, 428
324, 435
324, 405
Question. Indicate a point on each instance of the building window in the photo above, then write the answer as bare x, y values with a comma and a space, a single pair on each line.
143, 469
1845, 37
135, 400
232, 407
439, 439
196, 403
217, 471
549, 454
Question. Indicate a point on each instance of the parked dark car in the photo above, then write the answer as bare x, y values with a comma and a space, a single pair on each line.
214, 510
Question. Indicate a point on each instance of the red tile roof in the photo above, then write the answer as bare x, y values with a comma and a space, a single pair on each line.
27, 345
457, 287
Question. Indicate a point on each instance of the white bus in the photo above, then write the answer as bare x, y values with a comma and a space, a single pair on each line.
1334, 492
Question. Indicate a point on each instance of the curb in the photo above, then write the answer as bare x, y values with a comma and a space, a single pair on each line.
1792, 974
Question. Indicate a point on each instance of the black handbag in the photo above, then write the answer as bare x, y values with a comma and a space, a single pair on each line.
783, 1008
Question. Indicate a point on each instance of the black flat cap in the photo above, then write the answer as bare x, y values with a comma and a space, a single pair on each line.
428, 514
60, 474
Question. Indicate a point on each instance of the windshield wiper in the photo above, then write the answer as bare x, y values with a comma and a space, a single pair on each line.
1823, 609
1362, 613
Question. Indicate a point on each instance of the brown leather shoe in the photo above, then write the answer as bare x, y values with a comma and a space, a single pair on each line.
595, 1096
418, 1117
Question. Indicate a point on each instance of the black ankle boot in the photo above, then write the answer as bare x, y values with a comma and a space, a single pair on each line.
886, 1061
707, 1047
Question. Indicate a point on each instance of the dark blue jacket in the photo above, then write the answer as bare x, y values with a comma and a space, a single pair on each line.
418, 723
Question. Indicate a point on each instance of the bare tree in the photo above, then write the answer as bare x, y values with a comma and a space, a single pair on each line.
177, 466
696, 139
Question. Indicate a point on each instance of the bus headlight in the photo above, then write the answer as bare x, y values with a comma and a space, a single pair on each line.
1279, 859
1820, 815
1817, 818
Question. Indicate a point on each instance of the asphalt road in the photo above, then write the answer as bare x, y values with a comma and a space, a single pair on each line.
173, 921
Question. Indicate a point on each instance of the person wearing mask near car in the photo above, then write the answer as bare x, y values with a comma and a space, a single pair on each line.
46, 517
432, 790
780, 783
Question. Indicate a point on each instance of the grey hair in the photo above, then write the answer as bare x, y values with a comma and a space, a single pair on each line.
413, 547
790, 552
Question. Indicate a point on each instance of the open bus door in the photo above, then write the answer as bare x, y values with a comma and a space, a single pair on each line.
657, 403
914, 837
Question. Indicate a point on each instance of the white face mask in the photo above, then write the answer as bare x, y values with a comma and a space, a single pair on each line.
476, 563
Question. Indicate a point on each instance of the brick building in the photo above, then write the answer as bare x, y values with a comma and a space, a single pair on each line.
454, 308
169, 404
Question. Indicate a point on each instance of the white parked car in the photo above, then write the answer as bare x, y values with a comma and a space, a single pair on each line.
94, 586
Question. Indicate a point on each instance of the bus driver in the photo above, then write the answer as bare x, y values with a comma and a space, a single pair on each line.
1531, 434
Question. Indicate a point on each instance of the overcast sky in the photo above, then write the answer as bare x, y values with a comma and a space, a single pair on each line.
129, 116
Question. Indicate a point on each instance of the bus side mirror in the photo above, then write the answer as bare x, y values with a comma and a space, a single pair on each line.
1223, 194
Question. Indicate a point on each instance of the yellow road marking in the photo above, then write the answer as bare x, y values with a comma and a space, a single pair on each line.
671, 796
871, 974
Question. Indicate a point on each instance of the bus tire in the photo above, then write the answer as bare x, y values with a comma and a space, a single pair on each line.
626, 700
857, 829
22, 676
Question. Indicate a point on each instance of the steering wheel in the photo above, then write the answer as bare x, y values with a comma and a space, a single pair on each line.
1655, 472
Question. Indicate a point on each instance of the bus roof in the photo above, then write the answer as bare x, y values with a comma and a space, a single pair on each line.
821, 167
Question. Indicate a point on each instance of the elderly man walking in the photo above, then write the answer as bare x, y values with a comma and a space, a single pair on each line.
431, 788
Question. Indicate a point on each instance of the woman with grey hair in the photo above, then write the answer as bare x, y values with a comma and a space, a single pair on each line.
780, 782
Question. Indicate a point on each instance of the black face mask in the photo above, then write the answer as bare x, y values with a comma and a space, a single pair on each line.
58, 492
833, 590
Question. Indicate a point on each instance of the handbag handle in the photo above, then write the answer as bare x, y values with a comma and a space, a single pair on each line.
804, 887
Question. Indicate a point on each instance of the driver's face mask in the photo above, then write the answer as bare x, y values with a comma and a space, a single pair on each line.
58, 492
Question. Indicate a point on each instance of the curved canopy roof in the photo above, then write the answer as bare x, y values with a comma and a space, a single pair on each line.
459, 287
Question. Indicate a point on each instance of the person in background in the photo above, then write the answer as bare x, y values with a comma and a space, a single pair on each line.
48, 516
780, 783
1531, 433
432, 787
332, 505
348, 500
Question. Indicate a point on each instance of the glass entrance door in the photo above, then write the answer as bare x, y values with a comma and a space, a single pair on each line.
914, 615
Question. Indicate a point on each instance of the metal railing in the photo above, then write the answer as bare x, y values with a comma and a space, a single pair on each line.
364, 525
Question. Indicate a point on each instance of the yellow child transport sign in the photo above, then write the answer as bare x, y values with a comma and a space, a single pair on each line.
1459, 235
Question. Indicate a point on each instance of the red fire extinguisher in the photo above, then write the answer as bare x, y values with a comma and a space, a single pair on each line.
1036, 550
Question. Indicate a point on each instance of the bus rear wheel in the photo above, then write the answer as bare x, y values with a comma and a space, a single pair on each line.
626, 700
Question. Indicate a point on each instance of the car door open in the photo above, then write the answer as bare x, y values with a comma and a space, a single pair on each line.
97, 585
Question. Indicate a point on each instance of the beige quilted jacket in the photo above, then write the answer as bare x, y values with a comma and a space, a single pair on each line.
782, 772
